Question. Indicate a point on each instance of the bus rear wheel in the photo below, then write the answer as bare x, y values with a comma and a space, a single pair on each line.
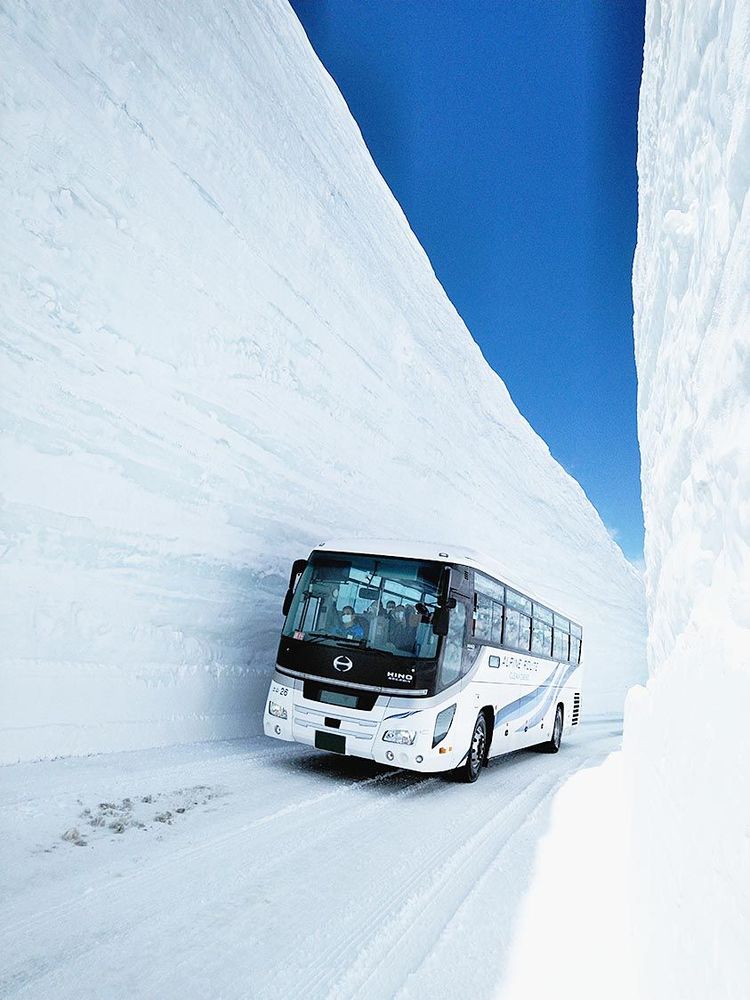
553, 743
469, 770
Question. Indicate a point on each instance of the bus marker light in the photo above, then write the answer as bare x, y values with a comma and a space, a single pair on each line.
277, 730
419, 759
445, 749
389, 755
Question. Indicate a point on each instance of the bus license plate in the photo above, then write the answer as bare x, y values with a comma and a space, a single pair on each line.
330, 741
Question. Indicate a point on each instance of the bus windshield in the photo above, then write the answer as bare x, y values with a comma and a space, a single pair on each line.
372, 602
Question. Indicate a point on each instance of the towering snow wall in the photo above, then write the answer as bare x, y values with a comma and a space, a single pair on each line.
687, 753
222, 343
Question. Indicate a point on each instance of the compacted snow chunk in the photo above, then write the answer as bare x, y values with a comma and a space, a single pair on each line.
224, 344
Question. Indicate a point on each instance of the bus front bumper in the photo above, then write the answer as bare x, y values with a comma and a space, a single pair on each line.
360, 735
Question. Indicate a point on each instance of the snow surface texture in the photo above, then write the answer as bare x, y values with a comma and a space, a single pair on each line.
576, 909
682, 875
259, 870
223, 344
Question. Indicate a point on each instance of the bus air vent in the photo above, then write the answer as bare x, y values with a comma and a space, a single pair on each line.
576, 709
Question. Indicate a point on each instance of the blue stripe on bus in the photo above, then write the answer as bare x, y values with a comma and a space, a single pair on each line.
506, 713
551, 696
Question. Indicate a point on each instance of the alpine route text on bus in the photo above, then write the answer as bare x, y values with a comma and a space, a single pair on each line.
421, 657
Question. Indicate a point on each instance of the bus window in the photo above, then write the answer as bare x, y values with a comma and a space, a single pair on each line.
524, 632
382, 591
483, 622
453, 651
542, 614
490, 587
560, 645
510, 631
517, 632
496, 635
541, 639
514, 600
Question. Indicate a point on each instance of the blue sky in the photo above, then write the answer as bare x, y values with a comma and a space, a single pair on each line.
506, 129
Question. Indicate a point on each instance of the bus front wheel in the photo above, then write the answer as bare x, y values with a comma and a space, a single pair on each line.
469, 770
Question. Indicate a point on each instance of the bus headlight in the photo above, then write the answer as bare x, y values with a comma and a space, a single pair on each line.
399, 736
278, 710
443, 724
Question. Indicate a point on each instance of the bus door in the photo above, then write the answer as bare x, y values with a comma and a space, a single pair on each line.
456, 657
507, 695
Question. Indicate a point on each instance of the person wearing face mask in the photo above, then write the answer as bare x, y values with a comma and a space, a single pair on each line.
348, 625
397, 621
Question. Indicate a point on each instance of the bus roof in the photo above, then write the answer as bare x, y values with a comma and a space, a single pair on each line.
431, 552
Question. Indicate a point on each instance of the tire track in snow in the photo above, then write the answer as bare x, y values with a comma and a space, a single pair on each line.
61, 912
330, 808
401, 915
444, 931
411, 918
365, 878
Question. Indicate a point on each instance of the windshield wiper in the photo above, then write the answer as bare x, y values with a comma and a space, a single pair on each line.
335, 638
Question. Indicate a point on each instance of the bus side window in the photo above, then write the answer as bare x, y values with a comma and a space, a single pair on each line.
497, 623
540, 638
453, 650
512, 625
547, 630
483, 617
524, 632
560, 647
517, 630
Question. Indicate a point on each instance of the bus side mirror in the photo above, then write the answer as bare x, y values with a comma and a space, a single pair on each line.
441, 616
298, 567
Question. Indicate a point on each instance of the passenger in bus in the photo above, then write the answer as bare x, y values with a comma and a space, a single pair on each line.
395, 622
376, 611
380, 633
348, 625
403, 629
377, 623
412, 619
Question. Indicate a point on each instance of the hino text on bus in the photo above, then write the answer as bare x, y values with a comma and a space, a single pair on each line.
420, 657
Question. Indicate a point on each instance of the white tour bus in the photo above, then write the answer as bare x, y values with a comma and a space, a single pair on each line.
420, 657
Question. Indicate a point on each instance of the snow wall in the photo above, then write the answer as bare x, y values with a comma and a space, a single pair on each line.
663, 911
223, 344
687, 753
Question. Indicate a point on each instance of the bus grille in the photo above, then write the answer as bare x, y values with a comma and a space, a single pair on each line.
576, 709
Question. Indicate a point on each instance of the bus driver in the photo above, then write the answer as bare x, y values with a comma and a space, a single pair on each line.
348, 625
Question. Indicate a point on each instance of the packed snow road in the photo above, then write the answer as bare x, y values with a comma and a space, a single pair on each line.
254, 869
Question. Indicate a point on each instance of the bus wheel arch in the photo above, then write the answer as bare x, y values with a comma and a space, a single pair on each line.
489, 717
471, 765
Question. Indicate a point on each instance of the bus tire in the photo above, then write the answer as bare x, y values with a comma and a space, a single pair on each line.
553, 743
475, 758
